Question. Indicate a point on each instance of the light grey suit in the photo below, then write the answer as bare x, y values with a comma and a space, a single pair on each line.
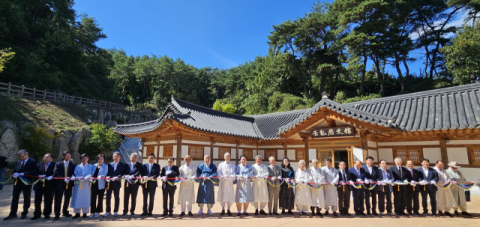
273, 192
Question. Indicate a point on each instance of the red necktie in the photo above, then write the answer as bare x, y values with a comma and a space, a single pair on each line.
46, 166
411, 171
23, 164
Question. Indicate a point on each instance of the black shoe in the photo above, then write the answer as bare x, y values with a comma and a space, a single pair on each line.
182, 214
84, 216
35, 218
170, 214
346, 213
262, 212
143, 214
440, 213
448, 214
300, 213
368, 213
124, 214
47, 217
239, 214
424, 214
132, 213
246, 214
466, 213
290, 212
326, 212
76, 216
416, 213
361, 213
335, 214
275, 213
164, 215
229, 213
23, 216
150, 214
456, 212
222, 213
313, 213
256, 212
319, 213
283, 212
57, 217
67, 215
375, 213
10, 217
190, 213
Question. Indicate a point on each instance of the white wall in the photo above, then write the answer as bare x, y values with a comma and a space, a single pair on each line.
385, 153
458, 154
432, 153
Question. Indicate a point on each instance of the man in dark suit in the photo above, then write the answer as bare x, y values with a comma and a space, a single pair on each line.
413, 176
358, 174
45, 189
149, 170
64, 169
116, 169
345, 190
428, 178
399, 192
169, 171
384, 189
133, 172
24, 168
371, 173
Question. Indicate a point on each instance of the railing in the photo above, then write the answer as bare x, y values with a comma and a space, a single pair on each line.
34, 94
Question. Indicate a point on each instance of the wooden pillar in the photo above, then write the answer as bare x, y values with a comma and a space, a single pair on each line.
55, 97
285, 147
443, 149
44, 94
9, 87
34, 93
178, 160
237, 154
21, 92
307, 159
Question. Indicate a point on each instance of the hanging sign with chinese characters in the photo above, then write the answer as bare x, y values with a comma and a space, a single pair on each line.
337, 131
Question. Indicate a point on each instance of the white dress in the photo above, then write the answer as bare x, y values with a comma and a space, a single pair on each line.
226, 192
81, 197
303, 195
318, 196
187, 189
445, 200
259, 186
331, 194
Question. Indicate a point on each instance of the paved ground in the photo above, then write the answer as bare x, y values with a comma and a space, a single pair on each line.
217, 220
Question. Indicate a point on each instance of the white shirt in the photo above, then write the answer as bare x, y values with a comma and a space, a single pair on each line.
114, 165
370, 169
425, 171
24, 162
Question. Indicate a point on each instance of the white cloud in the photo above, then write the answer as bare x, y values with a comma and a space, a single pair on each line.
226, 61
458, 22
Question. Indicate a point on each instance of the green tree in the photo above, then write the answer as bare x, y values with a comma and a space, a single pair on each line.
5, 55
34, 140
103, 139
463, 56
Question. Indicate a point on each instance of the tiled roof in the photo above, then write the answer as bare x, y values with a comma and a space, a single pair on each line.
440, 109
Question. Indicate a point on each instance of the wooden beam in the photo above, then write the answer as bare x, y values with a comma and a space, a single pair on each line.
178, 160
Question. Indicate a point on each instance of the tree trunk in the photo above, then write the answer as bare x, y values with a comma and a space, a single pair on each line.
406, 65
335, 84
364, 72
381, 80
323, 78
399, 71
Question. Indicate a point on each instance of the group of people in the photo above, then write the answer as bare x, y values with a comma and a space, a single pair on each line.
258, 185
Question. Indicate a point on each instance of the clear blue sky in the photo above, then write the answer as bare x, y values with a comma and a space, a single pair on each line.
216, 33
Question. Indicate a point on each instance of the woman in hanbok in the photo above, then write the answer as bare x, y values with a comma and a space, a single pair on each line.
244, 194
99, 171
206, 190
287, 194
186, 197
81, 191
318, 196
303, 195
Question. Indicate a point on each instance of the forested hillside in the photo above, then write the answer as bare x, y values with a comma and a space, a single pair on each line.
342, 48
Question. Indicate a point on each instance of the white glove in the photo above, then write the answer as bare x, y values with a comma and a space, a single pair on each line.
274, 178
389, 181
21, 174
351, 182
41, 176
164, 179
192, 178
72, 178
100, 177
208, 178
413, 182
168, 172
433, 182
454, 182
130, 177
360, 181
367, 181
49, 178
88, 176
15, 175
114, 178
107, 179
66, 180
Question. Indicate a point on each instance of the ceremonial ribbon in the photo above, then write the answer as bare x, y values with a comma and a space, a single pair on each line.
8, 179
372, 187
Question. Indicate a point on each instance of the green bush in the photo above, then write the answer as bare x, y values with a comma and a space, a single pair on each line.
103, 138
34, 141
120, 121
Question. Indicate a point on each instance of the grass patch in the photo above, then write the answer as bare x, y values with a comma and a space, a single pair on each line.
56, 116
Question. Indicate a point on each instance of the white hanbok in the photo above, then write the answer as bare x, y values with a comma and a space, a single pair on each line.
303, 195
259, 185
81, 197
186, 196
330, 191
457, 191
318, 195
445, 200
226, 191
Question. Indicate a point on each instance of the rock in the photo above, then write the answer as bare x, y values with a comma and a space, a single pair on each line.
95, 113
101, 117
73, 145
61, 144
111, 123
9, 144
49, 142
108, 116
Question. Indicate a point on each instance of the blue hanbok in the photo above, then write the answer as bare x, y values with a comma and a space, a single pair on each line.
81, 197
206, 193
244, 192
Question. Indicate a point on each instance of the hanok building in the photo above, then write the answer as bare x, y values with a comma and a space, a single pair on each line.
441, 124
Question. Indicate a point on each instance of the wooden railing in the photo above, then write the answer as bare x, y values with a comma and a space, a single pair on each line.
34, 94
